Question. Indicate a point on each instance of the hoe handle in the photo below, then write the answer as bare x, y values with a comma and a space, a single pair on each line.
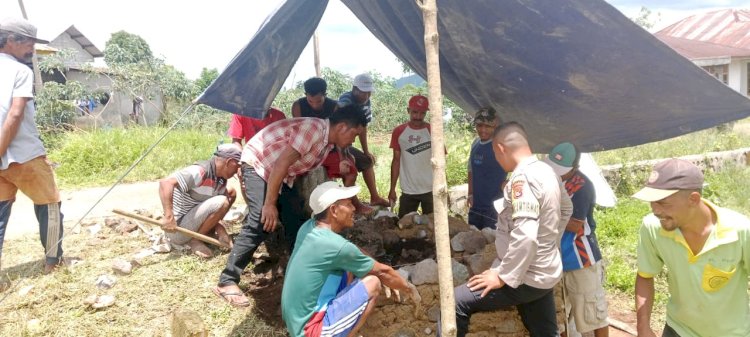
187, 232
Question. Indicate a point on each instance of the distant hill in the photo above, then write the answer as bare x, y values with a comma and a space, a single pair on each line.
414, 80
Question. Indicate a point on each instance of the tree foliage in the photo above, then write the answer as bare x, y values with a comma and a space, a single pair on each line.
646, 18
205, 79
126, 48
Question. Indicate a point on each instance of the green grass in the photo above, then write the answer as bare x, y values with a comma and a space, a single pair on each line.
709, 140
100, 157
143, 300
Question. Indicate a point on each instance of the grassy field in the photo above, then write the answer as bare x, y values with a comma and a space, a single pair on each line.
99, 158
54, 305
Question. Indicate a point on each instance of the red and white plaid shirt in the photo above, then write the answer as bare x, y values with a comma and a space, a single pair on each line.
308, 136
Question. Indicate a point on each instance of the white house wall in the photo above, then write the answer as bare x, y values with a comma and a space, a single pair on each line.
64, 41
738, 75
116, 113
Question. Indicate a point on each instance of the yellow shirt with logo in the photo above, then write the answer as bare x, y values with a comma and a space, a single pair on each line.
708, 290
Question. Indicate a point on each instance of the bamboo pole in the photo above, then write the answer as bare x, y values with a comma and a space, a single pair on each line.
439, 185
316, 52
38, 85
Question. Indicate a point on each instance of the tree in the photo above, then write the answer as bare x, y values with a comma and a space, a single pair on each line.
205, 79
645, 18
126, 48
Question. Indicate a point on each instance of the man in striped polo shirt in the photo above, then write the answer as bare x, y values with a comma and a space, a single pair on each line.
583, 273
197, 197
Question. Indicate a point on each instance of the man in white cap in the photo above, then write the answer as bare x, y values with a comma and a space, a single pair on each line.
23, 159
364, 161
320, 296
197, 198
706, 249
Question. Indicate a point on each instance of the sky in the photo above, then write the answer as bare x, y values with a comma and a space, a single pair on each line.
193, 34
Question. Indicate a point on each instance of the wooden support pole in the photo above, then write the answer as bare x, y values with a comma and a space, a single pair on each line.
439, 185
316, 52
38, 85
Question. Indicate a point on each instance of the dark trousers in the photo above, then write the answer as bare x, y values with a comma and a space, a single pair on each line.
669, 332
290, 205
410, 203
536, 307
50, 228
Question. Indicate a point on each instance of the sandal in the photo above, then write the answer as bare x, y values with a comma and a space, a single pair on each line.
223, 295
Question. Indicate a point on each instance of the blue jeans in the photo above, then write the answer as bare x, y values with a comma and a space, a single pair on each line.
291, 211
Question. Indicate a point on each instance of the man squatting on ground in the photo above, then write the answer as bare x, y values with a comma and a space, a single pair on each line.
412, 151
359, 96
533, 212
23, 159
197, 198
583, 273
270, 163
706, 249
331, 286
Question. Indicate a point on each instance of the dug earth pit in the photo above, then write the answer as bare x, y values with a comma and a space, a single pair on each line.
408, 245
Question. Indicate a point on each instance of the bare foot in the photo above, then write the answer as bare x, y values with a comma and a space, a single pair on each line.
200, 249
223, 236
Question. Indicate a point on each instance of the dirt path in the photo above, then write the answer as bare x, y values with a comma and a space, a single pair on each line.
75, 203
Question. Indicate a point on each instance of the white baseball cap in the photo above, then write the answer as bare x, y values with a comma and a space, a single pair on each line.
329, 192
364, 82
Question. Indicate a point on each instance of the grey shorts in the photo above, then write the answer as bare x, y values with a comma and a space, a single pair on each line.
195, 218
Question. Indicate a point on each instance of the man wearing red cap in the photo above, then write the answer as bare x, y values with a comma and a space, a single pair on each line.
706, 249
412, 150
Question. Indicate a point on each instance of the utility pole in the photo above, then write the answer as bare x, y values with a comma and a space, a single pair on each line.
316, 52
439, 185
38, 85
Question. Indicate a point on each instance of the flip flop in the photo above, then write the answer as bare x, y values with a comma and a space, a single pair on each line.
223, 296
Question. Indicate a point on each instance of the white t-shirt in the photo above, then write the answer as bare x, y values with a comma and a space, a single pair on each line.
416, 150
17, 80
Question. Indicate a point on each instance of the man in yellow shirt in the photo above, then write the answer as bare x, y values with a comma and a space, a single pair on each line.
706, 249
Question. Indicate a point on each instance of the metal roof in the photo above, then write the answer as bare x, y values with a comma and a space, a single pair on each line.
696, 50
714, 30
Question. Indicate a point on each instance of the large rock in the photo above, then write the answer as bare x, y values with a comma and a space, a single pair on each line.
187, 323
455, 225
473, 242
489, 234
478, 263
457, 242
457, 199
425, 272
460, 272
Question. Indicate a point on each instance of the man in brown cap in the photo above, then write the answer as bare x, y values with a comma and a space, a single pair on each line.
23, 159
706, 249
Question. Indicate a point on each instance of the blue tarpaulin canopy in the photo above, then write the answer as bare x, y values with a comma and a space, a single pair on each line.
568, 70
